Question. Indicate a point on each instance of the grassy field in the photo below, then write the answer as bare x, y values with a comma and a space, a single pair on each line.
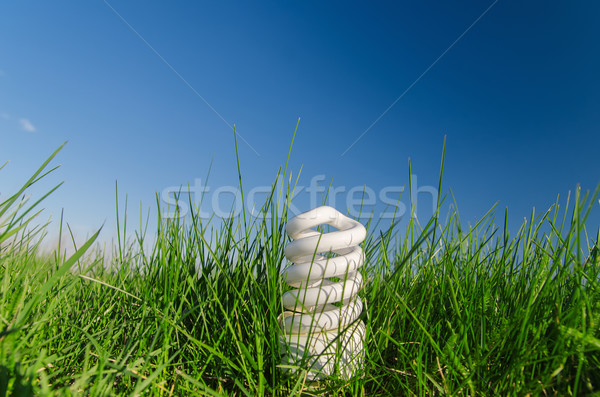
449, 310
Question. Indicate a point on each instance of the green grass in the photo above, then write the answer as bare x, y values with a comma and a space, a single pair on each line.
449, 310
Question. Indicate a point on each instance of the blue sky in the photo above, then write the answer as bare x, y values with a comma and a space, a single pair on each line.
518, 96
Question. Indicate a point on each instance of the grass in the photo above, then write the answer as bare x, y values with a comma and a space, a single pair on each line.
449, 310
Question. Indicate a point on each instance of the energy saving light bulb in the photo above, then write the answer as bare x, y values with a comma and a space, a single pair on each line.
320, 328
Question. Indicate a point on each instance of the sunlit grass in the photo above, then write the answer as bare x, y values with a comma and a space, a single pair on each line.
449, 310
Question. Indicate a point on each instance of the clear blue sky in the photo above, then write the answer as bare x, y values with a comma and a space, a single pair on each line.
518, 97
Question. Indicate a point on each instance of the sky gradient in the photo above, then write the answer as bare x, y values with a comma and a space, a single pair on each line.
146, 93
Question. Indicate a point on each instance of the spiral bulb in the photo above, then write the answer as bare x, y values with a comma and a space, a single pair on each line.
320, 328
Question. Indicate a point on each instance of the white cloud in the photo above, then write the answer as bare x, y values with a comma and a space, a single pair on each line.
26, 125
4, 116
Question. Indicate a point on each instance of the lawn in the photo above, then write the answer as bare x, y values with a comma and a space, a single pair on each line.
449, 309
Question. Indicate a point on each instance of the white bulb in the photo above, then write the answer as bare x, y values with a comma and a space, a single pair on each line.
321, 323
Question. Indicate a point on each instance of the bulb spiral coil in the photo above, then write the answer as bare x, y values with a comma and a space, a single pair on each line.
321, 324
